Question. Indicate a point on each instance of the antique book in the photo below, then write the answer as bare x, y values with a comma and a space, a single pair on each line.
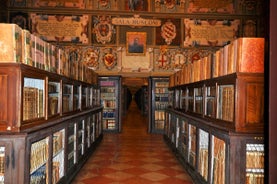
225, 59
46, 57
216, 64
10, 43
226, 103
207, 67
39, 51
196, 71
218, 175
53, 58
203, 162
231, 64
27, 48
30, 103
63, 64
33, 49
186, 74
190, 73
222, 69
2, 163
249, 54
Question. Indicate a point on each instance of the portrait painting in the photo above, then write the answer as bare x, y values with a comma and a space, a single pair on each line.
136, 43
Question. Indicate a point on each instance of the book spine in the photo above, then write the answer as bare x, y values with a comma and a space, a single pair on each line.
10, 43
250, 55
27, 48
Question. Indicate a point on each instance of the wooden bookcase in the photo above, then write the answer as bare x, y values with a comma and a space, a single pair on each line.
158, 102
49, 124
110, 95
214, 155
215, 122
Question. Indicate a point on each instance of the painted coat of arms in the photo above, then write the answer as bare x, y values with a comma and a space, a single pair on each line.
90, 57
163, 59
103, 29
109, 58
104, 3
168, 32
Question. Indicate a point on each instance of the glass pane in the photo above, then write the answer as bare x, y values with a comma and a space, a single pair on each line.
33, 98
2, 164
218, 161
71, 147
76, 97
38, 161
254, 163
226, 102
203, 153
53, 98
192, 145
210, 101
184, 139
67, 98
85, 97
58, 156
198, 100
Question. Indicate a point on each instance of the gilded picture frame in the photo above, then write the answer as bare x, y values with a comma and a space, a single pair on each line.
136, 43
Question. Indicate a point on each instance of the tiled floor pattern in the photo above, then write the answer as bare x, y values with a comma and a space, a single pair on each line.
132, 157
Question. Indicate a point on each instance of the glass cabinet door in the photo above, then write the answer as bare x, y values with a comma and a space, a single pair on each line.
210, 103
53, 98
184, 137
81, 138
184, 100
39, 161
2, 164
198, 95
76, 97
190, 99
254, 163
58, 156
218, 160
161, 103
109, 102
72, 146
226, 102
203, 154
192, 145
67, 92
84, 97
33, 98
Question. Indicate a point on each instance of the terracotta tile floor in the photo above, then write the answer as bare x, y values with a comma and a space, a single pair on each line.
132, 157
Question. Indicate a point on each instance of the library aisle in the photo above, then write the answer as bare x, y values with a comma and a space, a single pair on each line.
132, 157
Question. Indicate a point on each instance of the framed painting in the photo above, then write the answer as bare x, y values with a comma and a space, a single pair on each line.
136, 43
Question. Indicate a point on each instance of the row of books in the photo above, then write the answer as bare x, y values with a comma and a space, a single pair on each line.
2, 163
161, 90
218, 161
109, 124
159, 124
32, 103
254, 178
58, 139
109, 103
241, 55
161, 105
39, 154
20, 46
159, 115
203, 162
226, 103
